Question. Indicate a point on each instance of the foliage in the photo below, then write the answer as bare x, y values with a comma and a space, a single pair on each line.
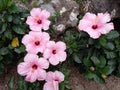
96, 58
12, 28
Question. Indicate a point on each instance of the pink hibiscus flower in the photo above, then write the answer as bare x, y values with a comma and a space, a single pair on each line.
35, 41
52, 80
33, 68
38, 19
95, 25
55, 52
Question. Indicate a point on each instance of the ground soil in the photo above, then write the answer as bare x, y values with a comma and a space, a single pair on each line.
76, 81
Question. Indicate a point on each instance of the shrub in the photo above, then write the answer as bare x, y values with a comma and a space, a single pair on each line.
12, 28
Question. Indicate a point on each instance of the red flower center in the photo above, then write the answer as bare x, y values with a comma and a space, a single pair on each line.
39, 21
34, 67
37, 43
54, 52
94, 27
56, 79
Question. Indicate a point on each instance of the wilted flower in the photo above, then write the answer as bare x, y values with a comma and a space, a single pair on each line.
35, 41
15, 42
52, 80
95, 25
55, 52
38, 19
33, 68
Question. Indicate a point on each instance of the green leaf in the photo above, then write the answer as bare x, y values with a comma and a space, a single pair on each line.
11, 83
1, 68
95, 60
4, 27
110, 55
102, 41
18, 30
76, 58
99, 79
112, 34
19, 50
1, 58
110, 46
87, 62
107, 70
112, 62
3, 51
89, 75
8, 34
102, 62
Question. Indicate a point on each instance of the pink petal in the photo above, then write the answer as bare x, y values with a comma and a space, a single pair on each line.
62, 56
29, 57
43, 63
31, 49
54, 60
50, 44
107, 28
36, 27
41, 75
51, 86
47, 53
59, 76
61, 45
23, 69
89, 16
50, 76
45, 13
93, 33
30, 20
46, 24
31, 77
104, 18
83, 24
35, 12
26, 39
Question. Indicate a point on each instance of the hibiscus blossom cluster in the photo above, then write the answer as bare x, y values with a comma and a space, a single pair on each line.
38, 42
95, 25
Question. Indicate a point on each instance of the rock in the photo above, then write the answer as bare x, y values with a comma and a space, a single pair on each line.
49, 8
95, 6
41, 1
59, 28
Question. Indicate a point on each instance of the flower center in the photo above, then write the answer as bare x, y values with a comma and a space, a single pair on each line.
94, 27
37, 43
39, 21
34, 67
56, 79
54, 52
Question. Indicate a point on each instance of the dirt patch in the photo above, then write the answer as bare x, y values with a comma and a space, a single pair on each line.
78, 82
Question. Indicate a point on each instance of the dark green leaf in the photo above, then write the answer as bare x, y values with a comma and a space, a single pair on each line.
87, 62
76, 58
95, 60
89, 75
1, 58
102, 41
8, 34
11, 83
107, 70
99, 79
102, 62
1, 68
3, 51
110, 46
18, 30
112, 34
110, 55
4, 27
